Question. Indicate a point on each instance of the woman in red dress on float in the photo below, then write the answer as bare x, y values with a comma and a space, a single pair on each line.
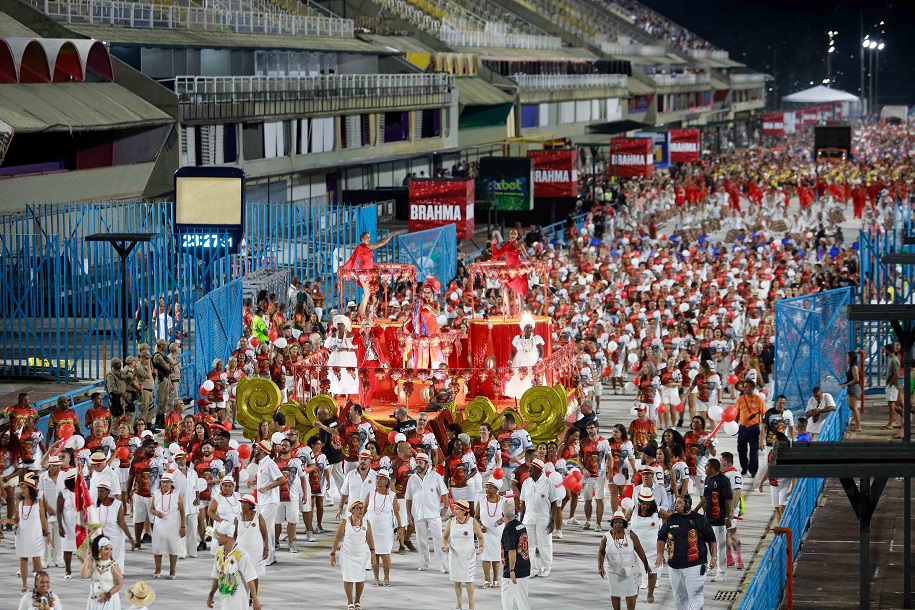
363, 258
423, 320
513, 252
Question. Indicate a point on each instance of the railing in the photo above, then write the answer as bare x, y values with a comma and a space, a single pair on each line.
569, 81
743, 79
768, 585
171, 17
708, 54
617, 48
323, 87
465, 38
673, 80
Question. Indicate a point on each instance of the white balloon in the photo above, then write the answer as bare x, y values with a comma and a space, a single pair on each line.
277, 438
692, 374
730, 427
173, 448
76, 442
612, 346
715, 412
634, 412
555, 478
201, 485
208, 385
632, 358
626, 503
619, 479
400, 437
633, 344
233, 444
243, 476
280, 342
629, 386
684, 307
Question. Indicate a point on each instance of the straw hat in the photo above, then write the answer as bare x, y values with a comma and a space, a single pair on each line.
140, 595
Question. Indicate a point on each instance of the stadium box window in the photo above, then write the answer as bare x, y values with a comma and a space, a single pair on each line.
530, 113
430, 123
396, 127
252, 138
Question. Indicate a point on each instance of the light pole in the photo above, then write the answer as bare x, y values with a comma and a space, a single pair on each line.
864, 46
880, 47
872, 45
829, 52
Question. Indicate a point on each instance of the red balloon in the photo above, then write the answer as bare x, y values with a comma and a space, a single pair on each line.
578, 487
635, 368
65, 431
391, 435
627, 492
569, 482
679, 408
254, 341
662, 409
227, 425
122, 453
576, 474
636, 479
244, 451
729, 414
733, 379
440, 469
204, 391
498, 473
273, 335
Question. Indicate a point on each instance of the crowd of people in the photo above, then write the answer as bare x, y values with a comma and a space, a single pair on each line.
680, 323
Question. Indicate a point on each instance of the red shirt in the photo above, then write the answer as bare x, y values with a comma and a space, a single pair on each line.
98, 413
60, 418
205, 472
19, 415
590, 456
640, 432
454, 471
283, 465
124, 442
142, 475
402, 471
173, 426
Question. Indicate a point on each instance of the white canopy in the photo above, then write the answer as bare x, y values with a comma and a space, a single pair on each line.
820, 95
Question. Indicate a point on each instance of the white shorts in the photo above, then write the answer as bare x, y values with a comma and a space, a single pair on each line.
402, 510
892, 393
467, 493
618, 370
288, 512
595, 487
702, 406
307, 504
780, 495
670, 396
141, 506
598, 389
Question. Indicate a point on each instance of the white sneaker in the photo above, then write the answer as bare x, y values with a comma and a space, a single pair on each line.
599, 527
310, 537
422, 568
573, 521
444, 570
328, 502
587, 525
558, 534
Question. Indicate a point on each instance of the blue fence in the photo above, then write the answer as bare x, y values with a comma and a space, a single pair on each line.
812, 338
433, 252
218, 326
551, 233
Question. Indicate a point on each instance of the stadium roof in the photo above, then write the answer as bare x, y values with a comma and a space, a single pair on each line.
820, 95
221, 40
50, 107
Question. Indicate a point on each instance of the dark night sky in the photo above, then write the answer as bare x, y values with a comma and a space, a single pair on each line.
750, 30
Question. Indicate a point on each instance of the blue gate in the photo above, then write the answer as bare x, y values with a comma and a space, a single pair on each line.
218, 327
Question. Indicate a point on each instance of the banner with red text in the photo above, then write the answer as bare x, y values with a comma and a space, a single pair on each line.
631, 157
811, 115
684, 145
440, 202
773, 124
555, 172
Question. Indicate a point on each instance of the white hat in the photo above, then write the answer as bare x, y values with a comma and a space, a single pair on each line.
140, 595
351, 304
338, 319
226, 528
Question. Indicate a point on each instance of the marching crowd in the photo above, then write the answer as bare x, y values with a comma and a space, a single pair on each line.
682, 323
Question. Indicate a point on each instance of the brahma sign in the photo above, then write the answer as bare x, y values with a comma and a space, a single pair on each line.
773, 124
555, 173
684, 145
631, 157
436, 203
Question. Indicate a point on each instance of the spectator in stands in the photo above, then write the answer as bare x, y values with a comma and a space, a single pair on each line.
892, 384
292, 293
818, 408
165, 323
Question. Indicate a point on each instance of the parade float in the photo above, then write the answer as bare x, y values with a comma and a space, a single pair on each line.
503, 364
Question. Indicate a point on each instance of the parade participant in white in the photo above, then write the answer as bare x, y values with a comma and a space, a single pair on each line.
40, 597
47, 491
489, 514
168, 509
357, 483
538, 513
31, 528
114, 525
426, 495
268, 480
105, 574
232, 574
619, 550
251, 536
354, 538
66, 519
342, 354
382, 507
458, 543
645, 522
527, 350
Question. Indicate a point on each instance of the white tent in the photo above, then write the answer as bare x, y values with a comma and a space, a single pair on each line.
820, 95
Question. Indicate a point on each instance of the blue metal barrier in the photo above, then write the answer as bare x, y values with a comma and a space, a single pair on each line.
218, 326
433, 252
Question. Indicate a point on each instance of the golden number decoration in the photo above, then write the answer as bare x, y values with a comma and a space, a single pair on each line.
478, 411
544, 409
257, 399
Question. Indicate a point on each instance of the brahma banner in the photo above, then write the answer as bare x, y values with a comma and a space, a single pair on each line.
436, 203
631, 157
773, 124
555, 172
684, 145
811, 115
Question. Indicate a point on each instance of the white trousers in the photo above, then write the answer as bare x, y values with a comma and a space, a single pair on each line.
424, 529
688, 585
514, 594
268, 512
721, 535
335, 471
53, 554
190, 539
538, 538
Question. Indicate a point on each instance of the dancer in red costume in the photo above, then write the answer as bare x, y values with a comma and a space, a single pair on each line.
513, 252
370, 353
364, 258
424, 321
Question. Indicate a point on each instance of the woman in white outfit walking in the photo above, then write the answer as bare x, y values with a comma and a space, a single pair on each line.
489, 514
168, 509
41, 595
31, 528
354, 538
458, 542
645, 523
616, 558
114, 526
105, 573
382, 508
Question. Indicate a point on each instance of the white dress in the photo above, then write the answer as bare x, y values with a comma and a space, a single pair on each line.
228, 508
68, 540
250, 540
526, 355
29, 537
354, 552
27, 602
347, 382
102, 581
646, 528
492, 538
165, 538
380, 515
462, 552
108, 518
621, 566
